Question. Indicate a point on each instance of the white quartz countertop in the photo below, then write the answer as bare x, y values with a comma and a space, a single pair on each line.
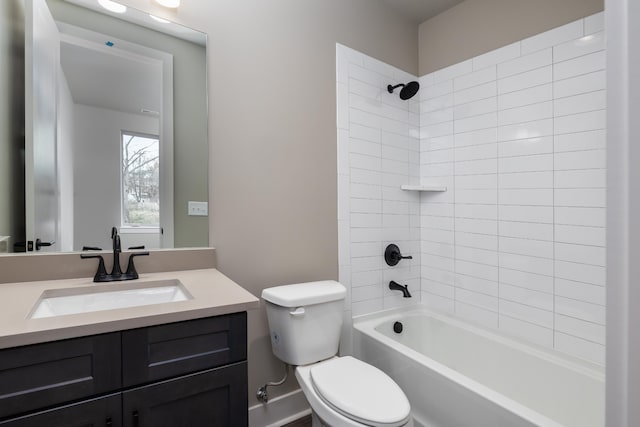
213, 294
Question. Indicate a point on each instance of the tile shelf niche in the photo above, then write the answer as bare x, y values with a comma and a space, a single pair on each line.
432, 188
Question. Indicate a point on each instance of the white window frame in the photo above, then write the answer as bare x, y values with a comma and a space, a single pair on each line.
142, 228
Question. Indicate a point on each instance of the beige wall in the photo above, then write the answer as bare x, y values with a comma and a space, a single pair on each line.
478, 26
272, 135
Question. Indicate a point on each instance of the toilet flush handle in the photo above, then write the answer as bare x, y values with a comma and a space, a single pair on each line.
298, 312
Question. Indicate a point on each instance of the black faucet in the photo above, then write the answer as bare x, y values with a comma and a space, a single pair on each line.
398, 287
116, 272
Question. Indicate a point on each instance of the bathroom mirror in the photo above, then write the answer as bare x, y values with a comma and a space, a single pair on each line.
104, 122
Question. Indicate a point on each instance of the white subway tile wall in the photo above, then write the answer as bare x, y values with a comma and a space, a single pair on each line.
517, 135
378, 151
519, 243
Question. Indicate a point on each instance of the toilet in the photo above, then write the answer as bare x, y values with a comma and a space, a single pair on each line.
305, 321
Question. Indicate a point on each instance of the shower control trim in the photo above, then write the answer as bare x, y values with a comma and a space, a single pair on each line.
392, 255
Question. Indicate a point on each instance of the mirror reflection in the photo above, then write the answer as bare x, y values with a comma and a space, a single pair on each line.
104, 123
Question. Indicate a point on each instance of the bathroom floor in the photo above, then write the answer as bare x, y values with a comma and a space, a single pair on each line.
302, 422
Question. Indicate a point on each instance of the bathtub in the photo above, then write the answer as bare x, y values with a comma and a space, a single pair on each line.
458, 375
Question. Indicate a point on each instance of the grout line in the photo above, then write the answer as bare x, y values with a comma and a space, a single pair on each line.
497, 192
453, 201
581, 93
497, 111
553, 178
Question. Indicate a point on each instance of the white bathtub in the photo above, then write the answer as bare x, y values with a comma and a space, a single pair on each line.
458, 375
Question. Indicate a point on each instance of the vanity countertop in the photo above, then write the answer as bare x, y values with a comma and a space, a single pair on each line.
213, 294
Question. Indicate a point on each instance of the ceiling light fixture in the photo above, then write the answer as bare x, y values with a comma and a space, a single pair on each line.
112, 6
169, 3
160, 20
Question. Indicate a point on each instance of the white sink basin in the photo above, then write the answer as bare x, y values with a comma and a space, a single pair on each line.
58, 302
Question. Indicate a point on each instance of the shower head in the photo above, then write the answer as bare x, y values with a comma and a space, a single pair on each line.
407, 91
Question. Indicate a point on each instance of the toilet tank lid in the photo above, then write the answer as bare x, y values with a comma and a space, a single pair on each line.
302, 294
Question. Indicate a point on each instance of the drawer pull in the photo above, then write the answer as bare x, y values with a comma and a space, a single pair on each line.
109, 422
136, 419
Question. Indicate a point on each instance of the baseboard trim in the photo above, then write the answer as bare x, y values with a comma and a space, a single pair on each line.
280, 410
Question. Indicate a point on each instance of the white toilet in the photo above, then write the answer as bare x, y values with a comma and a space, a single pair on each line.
305, 321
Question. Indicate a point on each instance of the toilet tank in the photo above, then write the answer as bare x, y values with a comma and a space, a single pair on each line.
305, 320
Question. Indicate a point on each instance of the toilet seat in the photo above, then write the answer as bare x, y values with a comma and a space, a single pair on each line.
360, 392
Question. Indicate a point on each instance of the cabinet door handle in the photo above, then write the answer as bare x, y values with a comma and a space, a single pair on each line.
109, 422
136, 419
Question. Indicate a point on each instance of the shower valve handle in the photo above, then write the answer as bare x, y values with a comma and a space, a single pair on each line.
393, 256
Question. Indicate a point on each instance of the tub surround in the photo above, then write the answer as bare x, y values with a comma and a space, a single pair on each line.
516, 135
213, 294
378, 154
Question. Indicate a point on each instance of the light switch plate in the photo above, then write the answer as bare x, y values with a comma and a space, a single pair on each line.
198, 208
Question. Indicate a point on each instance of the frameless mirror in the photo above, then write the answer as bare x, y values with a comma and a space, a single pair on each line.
103, 115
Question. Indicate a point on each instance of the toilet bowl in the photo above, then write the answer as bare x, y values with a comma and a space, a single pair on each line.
305, 321
347, 392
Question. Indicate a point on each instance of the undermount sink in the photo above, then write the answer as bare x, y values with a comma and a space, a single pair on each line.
58, 302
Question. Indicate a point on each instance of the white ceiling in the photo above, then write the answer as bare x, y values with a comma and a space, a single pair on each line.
110, 81
419, 11
144, 19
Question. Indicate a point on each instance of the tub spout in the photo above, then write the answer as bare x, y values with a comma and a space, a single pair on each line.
398, 287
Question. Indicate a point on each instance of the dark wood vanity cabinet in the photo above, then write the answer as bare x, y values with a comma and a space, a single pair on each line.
100, 412
190, 374
166, 351
44, 375
210, 398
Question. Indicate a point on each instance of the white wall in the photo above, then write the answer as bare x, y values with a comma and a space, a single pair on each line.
378, 151
517, 135
65, 155
97, 171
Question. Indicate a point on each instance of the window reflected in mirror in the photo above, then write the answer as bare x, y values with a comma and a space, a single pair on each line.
140, 181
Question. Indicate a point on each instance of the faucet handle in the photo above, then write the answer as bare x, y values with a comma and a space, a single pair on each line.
392, 255
131, 268
101, 274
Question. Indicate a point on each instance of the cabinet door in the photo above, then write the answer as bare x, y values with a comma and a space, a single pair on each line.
214, 398
103, 412
166, 351
44, 375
